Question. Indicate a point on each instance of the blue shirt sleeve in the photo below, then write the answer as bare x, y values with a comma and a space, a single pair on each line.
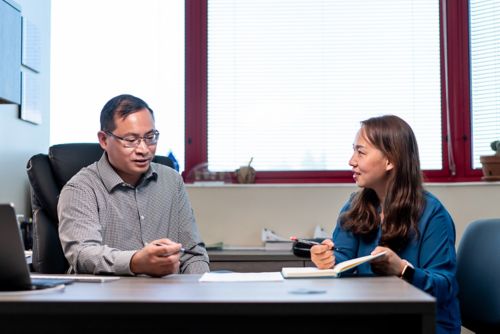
434, 257
433, 254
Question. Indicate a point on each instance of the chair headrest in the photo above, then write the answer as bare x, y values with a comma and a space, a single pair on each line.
68, 159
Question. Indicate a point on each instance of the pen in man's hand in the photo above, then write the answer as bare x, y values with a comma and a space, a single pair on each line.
183, 250
189, 251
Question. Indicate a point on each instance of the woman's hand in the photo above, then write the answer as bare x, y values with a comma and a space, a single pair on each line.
388, 264
322, 255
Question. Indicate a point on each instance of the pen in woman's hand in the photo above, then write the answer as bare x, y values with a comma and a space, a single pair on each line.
311, 243
305, 241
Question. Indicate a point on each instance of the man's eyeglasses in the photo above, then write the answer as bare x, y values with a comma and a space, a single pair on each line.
150, 138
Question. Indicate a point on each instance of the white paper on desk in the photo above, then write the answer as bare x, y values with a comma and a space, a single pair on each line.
77, 278
241, 277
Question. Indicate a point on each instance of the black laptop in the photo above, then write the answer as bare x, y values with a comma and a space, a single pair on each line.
14, 272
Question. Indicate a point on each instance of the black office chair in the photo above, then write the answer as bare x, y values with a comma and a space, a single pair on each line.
47, 175
478, 274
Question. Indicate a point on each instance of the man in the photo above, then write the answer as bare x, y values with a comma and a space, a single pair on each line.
124, 214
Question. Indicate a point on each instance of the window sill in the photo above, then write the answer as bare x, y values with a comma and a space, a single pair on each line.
330, 185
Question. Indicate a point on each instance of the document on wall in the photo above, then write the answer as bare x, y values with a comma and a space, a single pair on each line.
215, 276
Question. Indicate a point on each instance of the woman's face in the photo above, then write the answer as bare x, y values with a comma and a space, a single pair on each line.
370, 166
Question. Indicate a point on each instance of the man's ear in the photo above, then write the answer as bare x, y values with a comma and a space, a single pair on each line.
103, 139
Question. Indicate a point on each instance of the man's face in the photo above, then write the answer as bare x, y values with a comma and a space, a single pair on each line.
130, 162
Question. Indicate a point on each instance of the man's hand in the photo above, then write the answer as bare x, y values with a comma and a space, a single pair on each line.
322, 255
158, 258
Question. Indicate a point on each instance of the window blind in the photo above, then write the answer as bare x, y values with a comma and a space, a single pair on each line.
484, 18
290, 80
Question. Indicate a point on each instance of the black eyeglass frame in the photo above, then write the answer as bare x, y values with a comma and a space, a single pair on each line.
129, 143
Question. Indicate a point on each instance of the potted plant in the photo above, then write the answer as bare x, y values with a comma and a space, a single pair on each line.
491, 163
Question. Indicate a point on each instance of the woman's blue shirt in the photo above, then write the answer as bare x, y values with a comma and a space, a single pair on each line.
433, 255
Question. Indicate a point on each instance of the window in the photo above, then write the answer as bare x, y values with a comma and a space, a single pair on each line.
289, 81
101, 49
485, 75
239, 88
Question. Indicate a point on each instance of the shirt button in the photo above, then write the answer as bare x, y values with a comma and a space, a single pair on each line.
142, 217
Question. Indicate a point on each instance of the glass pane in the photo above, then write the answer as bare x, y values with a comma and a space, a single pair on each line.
101, 49
289, 81
485, 76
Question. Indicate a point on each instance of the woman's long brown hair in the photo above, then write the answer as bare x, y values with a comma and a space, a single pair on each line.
404, 200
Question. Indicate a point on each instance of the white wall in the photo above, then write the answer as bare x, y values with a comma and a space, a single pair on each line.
235, 214
19, 139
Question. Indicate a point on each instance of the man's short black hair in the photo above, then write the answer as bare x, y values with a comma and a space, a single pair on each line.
122, 105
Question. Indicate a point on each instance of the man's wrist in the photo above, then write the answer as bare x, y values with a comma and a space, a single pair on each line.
133, 264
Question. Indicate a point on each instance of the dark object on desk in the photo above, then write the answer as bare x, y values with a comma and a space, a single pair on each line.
302, 247
47, 174
14, 273
478, 270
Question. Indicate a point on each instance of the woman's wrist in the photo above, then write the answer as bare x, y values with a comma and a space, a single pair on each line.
407, 272
403, 266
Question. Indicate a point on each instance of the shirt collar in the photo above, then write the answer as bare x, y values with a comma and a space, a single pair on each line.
111, 179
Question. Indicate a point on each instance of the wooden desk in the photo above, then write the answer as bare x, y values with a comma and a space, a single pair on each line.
254, 260
180, 303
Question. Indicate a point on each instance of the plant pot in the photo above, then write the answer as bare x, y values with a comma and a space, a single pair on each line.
245, 174
491, 167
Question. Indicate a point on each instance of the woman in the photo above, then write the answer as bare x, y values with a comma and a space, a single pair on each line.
393, 213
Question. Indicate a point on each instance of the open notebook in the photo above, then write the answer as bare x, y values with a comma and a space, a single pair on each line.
336, 271
14, 272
